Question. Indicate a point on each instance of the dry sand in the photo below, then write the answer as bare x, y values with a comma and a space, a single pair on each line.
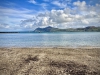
49, 61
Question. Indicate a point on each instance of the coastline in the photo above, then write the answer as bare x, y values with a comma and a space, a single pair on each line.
73, 47
50, 61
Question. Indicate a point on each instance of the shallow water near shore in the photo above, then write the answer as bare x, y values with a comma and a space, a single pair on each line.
66, 39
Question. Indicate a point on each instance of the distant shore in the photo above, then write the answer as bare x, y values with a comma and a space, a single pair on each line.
50, 61
50, 29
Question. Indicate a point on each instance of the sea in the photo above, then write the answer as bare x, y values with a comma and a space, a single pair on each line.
61, 39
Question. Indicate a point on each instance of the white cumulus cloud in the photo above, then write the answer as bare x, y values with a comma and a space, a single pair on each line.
67, 17
32, 1
85, 22
80, 15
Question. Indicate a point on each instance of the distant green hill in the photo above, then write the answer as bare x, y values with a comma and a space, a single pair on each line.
52, 29
47, 29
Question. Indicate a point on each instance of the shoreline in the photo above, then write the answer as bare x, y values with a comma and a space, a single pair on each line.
50, 61
57, 47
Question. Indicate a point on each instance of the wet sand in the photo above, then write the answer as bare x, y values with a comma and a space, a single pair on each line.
49, 61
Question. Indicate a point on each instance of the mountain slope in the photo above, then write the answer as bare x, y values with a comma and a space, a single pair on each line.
52, 29
47, 29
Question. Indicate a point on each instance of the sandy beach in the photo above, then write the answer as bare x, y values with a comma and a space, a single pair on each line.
49, 61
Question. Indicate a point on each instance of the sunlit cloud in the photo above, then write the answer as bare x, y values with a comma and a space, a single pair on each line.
56, 13
32, 1
64, 18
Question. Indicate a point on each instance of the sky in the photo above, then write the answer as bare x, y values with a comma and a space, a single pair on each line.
25, 15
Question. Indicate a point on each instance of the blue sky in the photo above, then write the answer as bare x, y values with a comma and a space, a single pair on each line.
17, 15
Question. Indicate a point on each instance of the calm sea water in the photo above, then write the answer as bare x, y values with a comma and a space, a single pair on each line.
68, 39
